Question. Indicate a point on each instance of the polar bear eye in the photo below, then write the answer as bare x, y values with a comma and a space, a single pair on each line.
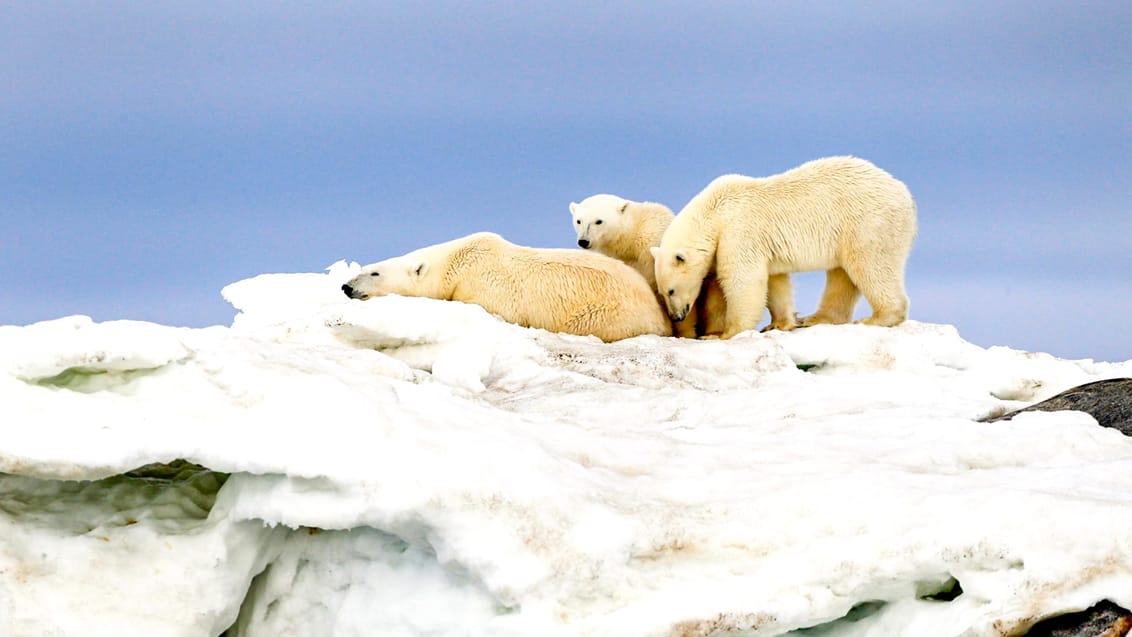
598, 222
679, 259
375, 274
671, 292
578, 221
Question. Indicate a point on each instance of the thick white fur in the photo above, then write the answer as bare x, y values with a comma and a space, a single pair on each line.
622, 229
839, 214
557, 290
628, 231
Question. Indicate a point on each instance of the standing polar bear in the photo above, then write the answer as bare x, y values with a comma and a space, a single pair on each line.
557, 290
839, 214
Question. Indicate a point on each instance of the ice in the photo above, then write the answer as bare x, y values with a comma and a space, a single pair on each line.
406, 466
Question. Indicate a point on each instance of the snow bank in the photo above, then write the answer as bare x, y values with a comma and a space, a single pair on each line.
406, 466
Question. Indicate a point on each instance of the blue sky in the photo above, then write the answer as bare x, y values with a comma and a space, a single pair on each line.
154, 152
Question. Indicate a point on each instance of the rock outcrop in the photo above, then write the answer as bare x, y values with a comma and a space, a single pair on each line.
1109, 401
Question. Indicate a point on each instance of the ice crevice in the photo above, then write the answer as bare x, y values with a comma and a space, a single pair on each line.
257, 577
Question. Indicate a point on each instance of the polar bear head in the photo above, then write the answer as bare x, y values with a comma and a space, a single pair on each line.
406, 275
599, 220
680, 274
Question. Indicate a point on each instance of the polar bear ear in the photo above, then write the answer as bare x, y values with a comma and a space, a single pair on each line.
420, 269
573, 208
624, 207
655, 251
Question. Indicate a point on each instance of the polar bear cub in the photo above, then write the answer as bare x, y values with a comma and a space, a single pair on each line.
622, 229
839, 214
557, 290
628, 230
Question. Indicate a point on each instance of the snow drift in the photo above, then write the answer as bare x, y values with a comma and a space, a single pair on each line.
328, 467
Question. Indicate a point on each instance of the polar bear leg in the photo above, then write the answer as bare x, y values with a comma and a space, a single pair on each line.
744, 291
714, 309
837, 300
882, 284
780, 302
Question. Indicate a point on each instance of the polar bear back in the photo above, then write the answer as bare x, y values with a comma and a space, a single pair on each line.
806, 218
558, 290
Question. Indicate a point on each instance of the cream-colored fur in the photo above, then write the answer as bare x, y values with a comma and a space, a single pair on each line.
628, 230
557, 290
622, 229
839, 214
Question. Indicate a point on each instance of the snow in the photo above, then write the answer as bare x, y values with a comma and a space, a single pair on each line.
405, 466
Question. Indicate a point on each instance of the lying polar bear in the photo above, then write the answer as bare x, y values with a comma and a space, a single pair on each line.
558, 290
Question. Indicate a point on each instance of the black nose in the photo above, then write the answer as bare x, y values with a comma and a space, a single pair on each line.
348, 290
585, 243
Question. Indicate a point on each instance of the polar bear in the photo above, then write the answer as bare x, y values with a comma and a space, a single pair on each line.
628, 230
557, 290
622, 229
839, 214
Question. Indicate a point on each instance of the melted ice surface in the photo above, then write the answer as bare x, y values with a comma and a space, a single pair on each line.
406, 466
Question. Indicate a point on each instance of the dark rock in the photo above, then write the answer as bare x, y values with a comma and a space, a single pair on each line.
1109, 401
1102, 620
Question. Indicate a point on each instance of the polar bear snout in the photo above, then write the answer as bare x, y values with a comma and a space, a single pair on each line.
679, 314
351, 292
585, 243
